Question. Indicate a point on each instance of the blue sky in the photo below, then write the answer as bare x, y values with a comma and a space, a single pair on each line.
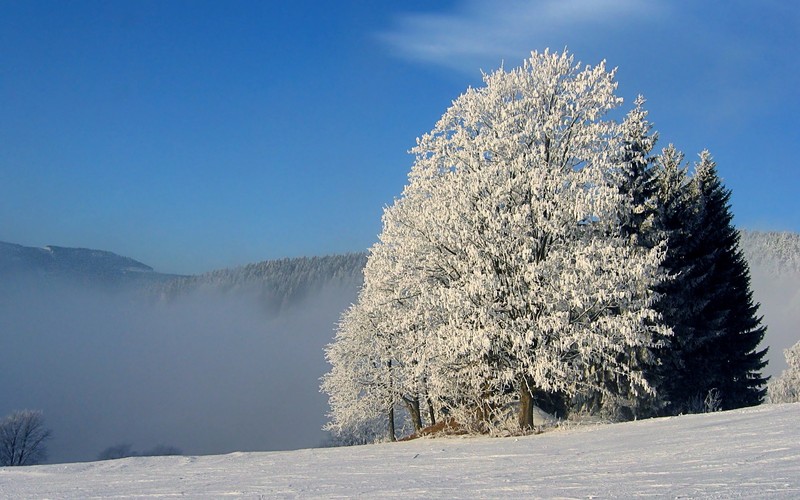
197, 135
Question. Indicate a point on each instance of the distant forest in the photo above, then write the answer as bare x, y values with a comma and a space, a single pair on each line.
278, 284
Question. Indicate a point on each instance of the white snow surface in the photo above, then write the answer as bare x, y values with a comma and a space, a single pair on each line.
748, 453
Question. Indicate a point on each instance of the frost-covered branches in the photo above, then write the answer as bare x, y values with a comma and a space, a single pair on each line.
786, 388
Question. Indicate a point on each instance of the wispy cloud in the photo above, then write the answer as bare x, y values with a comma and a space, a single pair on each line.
478, 33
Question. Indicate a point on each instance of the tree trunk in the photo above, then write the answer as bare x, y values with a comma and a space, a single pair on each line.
484, 413
525, 415
431, 412
413, 410
392, 436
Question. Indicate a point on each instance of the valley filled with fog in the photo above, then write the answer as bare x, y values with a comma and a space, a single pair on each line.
204, 371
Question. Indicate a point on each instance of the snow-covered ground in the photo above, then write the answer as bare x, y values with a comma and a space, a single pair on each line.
750, 453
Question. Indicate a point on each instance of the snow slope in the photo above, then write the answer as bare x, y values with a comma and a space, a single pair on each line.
750, 453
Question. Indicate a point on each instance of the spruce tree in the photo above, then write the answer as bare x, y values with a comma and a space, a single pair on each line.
676, 222
638, 184
734, 349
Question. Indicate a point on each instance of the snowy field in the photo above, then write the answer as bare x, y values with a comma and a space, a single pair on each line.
750, 453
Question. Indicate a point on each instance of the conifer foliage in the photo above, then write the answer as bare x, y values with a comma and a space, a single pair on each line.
520, 267
707, 302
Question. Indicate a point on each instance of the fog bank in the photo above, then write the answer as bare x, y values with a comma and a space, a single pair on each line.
208, 373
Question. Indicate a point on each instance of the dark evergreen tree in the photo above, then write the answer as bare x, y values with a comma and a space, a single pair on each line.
731, 312
711, 361
675, 223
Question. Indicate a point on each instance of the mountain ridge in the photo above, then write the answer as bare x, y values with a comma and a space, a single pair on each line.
277, 284
773, 251
83, 265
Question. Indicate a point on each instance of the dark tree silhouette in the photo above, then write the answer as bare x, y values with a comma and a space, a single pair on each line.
22, 438
125, 450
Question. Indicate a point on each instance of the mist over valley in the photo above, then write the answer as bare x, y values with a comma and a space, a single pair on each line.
227, 361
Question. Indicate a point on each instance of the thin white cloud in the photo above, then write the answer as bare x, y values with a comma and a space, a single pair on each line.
480, 32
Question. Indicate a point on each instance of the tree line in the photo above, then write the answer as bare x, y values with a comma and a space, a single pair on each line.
544, 254
278, 284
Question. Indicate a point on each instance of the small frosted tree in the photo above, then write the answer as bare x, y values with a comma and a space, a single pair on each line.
359, 383
23, 438
374, 369
786, 388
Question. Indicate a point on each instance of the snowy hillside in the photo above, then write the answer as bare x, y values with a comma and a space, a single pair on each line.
774, 260
751, 453
776, 252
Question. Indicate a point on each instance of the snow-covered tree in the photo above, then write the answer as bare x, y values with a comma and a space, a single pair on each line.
360, 381
375, 368
508, 248
786, 388
638, 181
